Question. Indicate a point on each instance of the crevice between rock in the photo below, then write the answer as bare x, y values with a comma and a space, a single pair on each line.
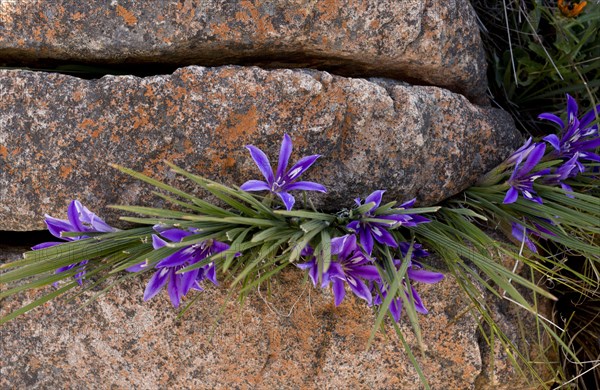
147, 67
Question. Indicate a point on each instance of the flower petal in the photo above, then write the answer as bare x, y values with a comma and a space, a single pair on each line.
409, 204
534, 158
178, 258
284, 157
57, 226
175, 235
553, 140
138, 267
288, 200
255, 185
571, 108
158, 242
552, 118
348, 246
305, 186
339, 291
44, 245
188, 279
175, 288
262, 162
366, 239
300, 167
418, 302
359, 288
73, 216
211, 273
368, 272
157, 281
511, 195
384, 237
375, 197
396, 309
424, 276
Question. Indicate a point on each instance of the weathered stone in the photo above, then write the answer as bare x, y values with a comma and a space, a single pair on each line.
58, 133
433, 42
291, 338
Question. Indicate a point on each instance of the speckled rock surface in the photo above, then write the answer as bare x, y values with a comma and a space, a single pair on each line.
294, 338
433, 42
58, 133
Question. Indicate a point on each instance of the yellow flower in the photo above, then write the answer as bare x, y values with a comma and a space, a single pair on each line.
571, 8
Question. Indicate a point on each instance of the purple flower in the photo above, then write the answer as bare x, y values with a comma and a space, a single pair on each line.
522, 178
521, 153
567, 170
79, 219
282, 181
414, 272
369, 231
351, 267
178, 285
521, 233
576, 137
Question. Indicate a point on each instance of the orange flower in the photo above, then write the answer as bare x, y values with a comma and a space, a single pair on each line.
570, 8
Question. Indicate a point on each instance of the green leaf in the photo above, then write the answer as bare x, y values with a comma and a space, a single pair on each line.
325, 251
365, 208
306, 214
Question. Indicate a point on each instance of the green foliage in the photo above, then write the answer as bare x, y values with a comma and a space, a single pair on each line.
536, 55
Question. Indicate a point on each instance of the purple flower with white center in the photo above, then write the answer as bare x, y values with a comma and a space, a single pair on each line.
178, 285
576, 137
369, 231
351, 267
282, 182
522, 178
414, 272
79, 219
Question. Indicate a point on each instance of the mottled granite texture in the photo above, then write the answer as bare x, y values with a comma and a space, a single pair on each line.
425, 42
58, 133
294, 338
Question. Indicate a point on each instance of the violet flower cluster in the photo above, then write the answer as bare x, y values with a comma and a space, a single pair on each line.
179, 284
79, 220
352, 265
577, 141
575, 144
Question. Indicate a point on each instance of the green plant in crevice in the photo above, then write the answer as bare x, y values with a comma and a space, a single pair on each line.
544, 197
536, 54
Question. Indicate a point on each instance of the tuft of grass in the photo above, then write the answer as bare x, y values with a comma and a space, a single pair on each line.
536, 55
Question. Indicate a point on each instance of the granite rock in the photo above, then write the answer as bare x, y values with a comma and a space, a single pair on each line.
425, 42
292, 338
58, 133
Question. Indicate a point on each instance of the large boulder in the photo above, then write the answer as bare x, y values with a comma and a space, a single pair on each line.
289, 337
426, 42
58, 133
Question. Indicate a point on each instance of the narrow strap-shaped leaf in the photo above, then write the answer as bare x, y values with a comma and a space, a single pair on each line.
154, 182
306, 214
365, 208
152, 211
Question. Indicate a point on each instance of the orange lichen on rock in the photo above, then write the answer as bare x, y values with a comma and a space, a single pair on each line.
127, 16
